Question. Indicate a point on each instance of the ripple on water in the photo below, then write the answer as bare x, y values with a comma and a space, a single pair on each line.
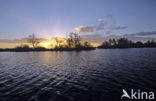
75, 76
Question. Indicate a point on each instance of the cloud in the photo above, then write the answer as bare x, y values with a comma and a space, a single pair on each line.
109, 15
98, 27
9, 40
85, 29
119, 27
141, 36
102, 26
100, 20
144, 33
98, 38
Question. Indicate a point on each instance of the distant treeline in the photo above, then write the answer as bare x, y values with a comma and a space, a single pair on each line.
26, 49
72, 42
125, 43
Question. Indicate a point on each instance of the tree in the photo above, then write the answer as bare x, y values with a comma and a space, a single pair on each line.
70, 40
77, 40
110, 41
87, 44
114, 42
33, 40
73, 40
59, 43
123, 42
138, 44
105, 44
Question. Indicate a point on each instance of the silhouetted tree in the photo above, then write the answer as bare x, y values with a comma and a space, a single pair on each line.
114, 42
125, 43
87, 44
22, 48
58, 42
105, 44
73, 40
138, 44
77, 40
110, 41
122, 42
33, 40
151, 43
70, 40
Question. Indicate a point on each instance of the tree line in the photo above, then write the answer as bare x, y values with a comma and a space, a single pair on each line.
125, 43
73, 42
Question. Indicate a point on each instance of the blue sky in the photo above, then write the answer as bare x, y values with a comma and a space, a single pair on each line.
49, 18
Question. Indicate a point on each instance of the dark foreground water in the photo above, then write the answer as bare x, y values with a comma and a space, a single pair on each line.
98, 75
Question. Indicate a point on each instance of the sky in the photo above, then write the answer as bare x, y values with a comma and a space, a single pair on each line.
50, 18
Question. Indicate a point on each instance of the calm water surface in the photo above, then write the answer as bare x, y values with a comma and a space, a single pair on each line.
98, 75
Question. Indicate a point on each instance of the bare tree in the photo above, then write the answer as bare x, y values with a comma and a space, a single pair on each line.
70, 40
77, 40
33, 40
87, 44
59, 42
73, 40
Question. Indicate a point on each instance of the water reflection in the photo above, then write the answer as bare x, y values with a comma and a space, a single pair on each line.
75, 76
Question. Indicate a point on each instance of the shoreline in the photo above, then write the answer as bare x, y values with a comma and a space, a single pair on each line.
42, 50
47, 50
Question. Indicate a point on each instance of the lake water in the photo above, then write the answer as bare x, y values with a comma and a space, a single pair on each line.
97, 75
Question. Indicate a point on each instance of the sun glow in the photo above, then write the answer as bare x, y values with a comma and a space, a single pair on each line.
45, 44
53, 43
